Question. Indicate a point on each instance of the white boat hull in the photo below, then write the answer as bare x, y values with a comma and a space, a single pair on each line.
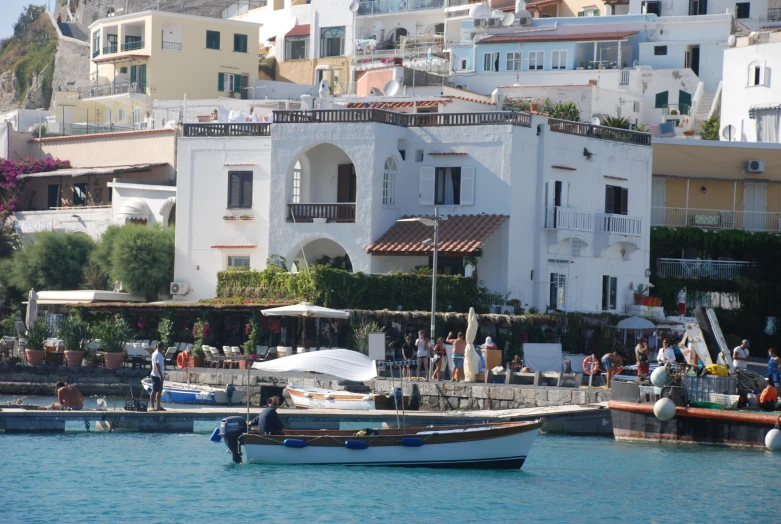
316, 398
504, 452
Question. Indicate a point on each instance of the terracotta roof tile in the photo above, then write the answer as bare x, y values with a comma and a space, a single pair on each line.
571, 37
447, 153
458, 235
394, 105
235, 246
475, 100
299, 30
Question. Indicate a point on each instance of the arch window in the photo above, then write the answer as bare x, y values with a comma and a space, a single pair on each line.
389, 183
297, 172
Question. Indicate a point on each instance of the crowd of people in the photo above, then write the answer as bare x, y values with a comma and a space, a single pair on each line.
421, 354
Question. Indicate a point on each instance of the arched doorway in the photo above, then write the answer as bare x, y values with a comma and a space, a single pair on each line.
322, 186
320, 252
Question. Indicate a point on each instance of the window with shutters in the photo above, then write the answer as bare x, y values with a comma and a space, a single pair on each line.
239, 43
616, 200
389, 183
239, 189
297, 174
213, 40
536, 60
661, 100
609, 286
514, 61
230, 82
756, 74
447, 188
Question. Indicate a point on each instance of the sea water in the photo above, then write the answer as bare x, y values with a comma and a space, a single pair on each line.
84, 476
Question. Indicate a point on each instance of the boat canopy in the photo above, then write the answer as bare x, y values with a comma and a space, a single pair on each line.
341, 363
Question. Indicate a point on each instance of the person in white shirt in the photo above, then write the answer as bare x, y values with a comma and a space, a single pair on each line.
666, 353
740, 355
158, 372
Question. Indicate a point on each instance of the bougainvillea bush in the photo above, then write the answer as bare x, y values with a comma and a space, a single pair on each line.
9, 173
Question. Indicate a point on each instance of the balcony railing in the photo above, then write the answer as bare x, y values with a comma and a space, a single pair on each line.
402, 119
378, 7
568, 218
111, 89
133, 46
676, 109
694, 268
320, 212
108, 49
173, 46
96, 52
619, 224
716, 219
237, 129
601, 132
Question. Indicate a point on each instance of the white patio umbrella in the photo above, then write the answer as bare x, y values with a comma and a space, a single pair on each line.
635, 323
305, 310
32, 308
471, 360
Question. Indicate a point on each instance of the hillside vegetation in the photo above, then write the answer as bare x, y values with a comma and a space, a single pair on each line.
29, 52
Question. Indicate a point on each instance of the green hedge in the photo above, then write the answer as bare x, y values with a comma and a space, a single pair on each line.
337, 288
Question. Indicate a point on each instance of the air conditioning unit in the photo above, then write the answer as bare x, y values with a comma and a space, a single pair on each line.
118, 286
480, 22
525, 20
755, 166
180, 288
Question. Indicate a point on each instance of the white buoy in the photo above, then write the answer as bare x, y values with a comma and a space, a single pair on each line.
664, 409
660, 377
773, 440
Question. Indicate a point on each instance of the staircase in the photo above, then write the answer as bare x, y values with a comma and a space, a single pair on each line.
703, 109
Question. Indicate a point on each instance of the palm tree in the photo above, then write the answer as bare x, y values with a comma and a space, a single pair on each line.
617, 122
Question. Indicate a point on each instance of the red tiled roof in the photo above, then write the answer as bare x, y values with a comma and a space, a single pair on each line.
541, 3
576, 37
299, 30
447, 153
458, 235
236, 246
395, 105
475, 100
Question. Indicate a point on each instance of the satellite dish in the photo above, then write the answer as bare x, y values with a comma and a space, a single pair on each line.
728, 132
595, 121
354, 6
391, 88
375, 92
479, 11
508, 19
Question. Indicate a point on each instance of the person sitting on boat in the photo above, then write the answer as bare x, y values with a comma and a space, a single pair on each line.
740, 355
459, 349
774, 368
769, 398
68, 397
666, 353
407, 354
267, 421
643, 359
611, 362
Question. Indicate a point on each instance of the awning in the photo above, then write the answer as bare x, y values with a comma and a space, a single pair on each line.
85, 297
561, 37
134, 208
299, 30
458, 235
167, 205
83, 171
324, 67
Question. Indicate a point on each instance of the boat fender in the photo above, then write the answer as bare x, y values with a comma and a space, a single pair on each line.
328, 396
367, 397
660, 377
411, 442
216, 435
664, 409
294, 443
308, 395
229, 389
773, 440
356, 444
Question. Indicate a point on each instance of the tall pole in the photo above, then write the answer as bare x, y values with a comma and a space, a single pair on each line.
434, 279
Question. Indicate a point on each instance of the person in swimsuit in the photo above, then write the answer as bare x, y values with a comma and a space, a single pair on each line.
68, 397
643, 362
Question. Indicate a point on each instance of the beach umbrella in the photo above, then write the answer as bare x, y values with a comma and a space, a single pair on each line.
32, 308
635, 323
305, 309
471, 360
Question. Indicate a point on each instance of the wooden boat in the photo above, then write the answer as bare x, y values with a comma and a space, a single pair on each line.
503, 445
179, 393
308, 397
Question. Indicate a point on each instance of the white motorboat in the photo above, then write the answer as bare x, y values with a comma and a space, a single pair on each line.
502, 445
179, 393
308, 397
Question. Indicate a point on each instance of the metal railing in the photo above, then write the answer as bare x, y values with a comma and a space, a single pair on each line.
567, 218
619, 224
378, 7
327, 212
173, 46
235, 129
676, 109
695, 268
600, 132
110, 89
133, 46
624, 77
716, 219
96, 52
108, 49
402, 119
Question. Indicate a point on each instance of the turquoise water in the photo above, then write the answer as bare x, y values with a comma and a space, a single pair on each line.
129, 477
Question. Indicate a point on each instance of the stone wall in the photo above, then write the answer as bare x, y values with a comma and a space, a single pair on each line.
40, 380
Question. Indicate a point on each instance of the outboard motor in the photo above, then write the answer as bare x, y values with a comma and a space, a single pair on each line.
231, 430
229, 389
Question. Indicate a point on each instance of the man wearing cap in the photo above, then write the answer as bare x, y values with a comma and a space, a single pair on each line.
740, 355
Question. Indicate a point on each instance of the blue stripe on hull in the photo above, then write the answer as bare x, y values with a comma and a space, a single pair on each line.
501, 463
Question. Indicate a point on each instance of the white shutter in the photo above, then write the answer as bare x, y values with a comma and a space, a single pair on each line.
426, 186
467, 186
564, 193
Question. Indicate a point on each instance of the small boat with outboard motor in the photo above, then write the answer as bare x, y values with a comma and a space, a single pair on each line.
318, 398
180, 393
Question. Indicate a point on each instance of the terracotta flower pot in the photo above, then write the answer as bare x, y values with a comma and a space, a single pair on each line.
73, 359
245, 364
196, 362
639, 300
34, 356
113, 360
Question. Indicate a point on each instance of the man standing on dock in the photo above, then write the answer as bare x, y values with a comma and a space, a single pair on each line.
740, 355
158, 373
267, 421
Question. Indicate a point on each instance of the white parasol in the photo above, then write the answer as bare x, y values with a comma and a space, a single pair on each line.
635, 323
341, 363
471, 360
305, 309
32, 308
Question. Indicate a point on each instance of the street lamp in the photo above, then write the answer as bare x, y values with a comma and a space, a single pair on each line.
429, 221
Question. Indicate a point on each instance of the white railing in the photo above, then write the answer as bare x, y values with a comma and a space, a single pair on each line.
376, 7
619, 224
693, 268
568, 218
716, 219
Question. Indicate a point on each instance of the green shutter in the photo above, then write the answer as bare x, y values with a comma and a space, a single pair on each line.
142, 79
684, 102
581, 13
661, 100
236, 83
132, 74
220, 81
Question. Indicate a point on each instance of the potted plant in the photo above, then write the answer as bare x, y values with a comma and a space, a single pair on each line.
673, 111
165, 330
581, 66
535, 105
201, 333
74, 332
255, 335
37, 333
113, 334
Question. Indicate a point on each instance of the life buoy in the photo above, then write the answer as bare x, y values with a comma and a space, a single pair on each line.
591, 365
183, 359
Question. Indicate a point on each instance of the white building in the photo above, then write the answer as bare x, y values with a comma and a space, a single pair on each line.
548, 202
751, 94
